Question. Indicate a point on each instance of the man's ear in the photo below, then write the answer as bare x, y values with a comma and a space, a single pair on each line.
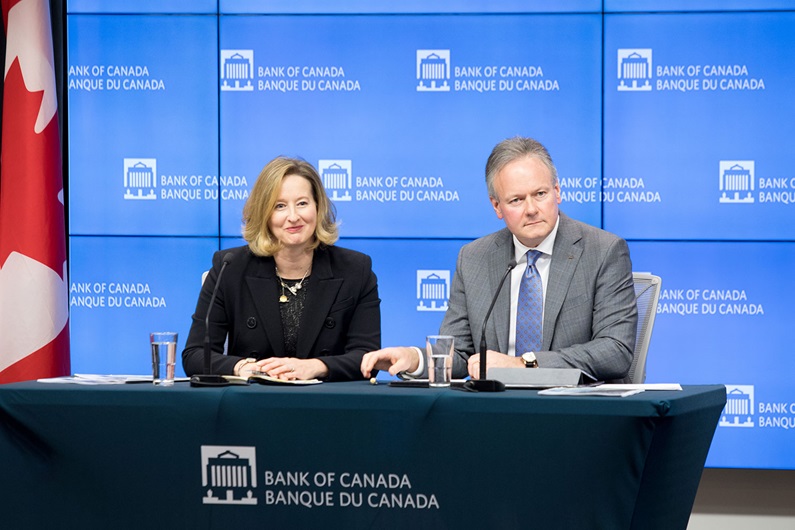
496, 205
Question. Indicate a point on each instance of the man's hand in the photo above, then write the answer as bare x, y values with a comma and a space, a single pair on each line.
393, 360
493, 359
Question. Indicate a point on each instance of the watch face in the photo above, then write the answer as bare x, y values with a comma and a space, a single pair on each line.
530, 360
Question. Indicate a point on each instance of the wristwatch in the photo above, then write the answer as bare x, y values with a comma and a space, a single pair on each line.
530, 360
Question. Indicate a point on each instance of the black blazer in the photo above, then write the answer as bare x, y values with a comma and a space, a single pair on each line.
341, 320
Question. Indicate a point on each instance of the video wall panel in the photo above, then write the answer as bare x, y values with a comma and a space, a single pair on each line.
685, 6
143, 114
722, 319
669, 127
126, 7
696, 125
401, 131
355, 7
122, 289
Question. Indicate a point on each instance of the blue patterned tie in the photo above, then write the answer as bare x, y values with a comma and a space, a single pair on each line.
529, 310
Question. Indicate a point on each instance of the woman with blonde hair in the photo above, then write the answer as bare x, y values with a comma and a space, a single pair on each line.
290, 303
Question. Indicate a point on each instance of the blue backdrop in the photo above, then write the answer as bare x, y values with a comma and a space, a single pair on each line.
668, 122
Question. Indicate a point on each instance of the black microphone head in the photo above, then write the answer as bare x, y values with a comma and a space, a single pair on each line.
511, 264
229, 256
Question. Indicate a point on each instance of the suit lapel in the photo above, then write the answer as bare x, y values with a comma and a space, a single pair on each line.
565, 256
265, 292
321, 292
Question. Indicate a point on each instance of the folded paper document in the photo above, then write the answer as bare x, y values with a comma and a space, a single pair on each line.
265, 379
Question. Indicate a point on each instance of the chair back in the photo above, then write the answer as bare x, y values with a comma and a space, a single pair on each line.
647, 295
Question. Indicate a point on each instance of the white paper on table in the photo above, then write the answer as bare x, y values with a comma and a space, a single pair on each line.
597, 390
88, 379
643, 386
102, 379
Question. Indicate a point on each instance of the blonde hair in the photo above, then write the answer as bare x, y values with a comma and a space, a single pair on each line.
262, 201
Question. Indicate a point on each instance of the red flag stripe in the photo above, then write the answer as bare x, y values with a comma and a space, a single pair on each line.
34, 337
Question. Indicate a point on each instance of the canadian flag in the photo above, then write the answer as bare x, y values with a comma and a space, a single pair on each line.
34, 310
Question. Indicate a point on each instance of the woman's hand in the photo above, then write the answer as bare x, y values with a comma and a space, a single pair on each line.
290, 368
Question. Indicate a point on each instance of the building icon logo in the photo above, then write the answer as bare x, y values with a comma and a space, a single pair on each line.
634, 69
736, 181
229, 474
336, 176
739, 409
433, 290
140, 179
433, 70
237, 70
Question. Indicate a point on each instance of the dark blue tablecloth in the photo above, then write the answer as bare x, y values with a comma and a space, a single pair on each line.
349, 455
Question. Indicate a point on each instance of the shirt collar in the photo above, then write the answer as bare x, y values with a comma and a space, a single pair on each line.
545, 247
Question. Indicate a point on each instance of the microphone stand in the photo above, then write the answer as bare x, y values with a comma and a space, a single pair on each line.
208, 378
482, 384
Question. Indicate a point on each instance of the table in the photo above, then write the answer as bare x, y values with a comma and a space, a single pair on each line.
348, 455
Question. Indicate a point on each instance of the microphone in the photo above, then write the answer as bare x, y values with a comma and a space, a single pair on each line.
208, 378
483, 384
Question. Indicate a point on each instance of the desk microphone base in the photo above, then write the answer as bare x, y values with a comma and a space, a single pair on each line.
209, 380
485, 385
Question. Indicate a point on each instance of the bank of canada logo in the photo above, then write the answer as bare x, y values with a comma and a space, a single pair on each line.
634, 69
433, 70
433, 290
336, 176
229, 474
237, 70
736, 181
739, 409
140, 179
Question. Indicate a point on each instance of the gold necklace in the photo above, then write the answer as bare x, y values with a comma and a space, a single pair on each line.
292, 288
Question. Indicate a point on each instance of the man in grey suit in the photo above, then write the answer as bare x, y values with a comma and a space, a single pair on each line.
589, 312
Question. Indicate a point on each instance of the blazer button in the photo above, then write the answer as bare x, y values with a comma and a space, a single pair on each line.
251, 322
330, 323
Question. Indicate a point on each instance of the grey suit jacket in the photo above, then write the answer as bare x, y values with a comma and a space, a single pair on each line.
590, 315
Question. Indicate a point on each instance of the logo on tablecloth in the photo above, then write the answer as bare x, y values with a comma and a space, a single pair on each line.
739, 409
433, 290
229, 474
